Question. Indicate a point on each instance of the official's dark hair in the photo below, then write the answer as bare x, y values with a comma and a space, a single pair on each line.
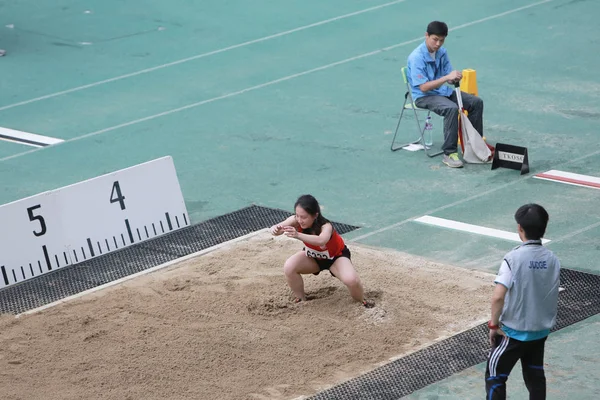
309, 204
437, 28
533, 219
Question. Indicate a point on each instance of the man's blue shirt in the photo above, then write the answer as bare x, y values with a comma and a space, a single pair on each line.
422, 68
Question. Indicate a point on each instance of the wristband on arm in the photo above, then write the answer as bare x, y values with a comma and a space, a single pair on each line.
492, 326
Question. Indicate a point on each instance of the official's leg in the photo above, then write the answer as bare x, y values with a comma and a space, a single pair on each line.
449, 110
532, 363
503, 357
474, 105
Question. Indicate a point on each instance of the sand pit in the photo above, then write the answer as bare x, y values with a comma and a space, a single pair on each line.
223, 326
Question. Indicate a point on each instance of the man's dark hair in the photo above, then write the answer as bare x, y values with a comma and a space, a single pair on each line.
437, 28
533, 219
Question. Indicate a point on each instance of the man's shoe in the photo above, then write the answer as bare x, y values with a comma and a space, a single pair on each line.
452, 160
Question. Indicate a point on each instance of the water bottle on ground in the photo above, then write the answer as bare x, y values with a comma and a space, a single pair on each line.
428, 133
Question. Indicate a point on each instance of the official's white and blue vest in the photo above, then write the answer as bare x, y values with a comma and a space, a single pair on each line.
531, 301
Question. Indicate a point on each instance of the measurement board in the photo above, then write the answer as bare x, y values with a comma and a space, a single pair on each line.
66, 226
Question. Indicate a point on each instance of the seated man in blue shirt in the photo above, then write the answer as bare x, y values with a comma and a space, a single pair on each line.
428, 72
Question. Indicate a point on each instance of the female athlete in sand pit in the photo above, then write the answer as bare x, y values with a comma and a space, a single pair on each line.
324, 249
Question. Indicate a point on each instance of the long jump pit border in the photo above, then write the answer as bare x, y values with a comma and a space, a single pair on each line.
215, 320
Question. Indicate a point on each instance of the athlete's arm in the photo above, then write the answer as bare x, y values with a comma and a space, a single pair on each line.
320, 240
277, 229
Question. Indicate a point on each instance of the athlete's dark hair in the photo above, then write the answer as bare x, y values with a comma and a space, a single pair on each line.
533, 219
437, 28
309, 204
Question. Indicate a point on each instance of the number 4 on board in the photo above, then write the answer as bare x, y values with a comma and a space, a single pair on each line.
116, 196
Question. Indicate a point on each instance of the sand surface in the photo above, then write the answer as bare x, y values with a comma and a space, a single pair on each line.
223, 326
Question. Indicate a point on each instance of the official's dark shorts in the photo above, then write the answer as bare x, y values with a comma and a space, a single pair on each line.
326, 264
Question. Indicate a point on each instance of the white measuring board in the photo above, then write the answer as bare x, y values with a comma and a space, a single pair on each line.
30, 237
75, 223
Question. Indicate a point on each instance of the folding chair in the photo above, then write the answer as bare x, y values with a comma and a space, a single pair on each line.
409, 104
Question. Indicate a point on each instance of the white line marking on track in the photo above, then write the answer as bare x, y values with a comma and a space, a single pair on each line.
147, 271
286, 78
199, 56
29, 139
570, 178
476, 229
577, 232
468, 199
18, 142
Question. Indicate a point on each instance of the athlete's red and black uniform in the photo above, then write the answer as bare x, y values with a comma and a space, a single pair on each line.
325, 256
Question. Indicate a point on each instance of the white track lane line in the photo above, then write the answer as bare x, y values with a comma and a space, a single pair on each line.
29, 139
570, 178
286, 78
468, 199
577, 232
469, 228
198, 56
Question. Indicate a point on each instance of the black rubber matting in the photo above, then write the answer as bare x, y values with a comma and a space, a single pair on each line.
415, 371
71, 280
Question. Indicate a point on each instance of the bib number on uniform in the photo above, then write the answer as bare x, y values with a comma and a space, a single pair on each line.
312, 253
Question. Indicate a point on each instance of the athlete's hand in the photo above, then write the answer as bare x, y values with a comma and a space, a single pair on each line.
276, 230
290, 231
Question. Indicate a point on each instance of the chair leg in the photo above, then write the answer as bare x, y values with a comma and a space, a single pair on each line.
421, 131
427, 151
433, 154
421, 138
392, 148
